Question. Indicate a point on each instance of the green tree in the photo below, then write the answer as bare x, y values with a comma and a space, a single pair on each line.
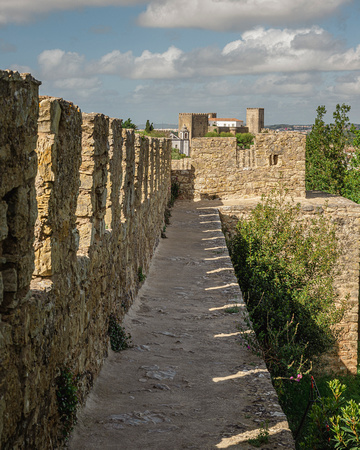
128, 124
149, 127
244, 140
352, 175
326, 164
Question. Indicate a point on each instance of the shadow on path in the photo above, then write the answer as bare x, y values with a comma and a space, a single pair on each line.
186, 383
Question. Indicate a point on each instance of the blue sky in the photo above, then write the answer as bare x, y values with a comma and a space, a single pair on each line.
151, 59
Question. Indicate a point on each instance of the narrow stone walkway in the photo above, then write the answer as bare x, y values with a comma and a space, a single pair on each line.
186, 383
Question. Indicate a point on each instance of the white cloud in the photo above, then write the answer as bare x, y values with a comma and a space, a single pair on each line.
296, 85
21, 69
57, 64
288, 51
206, 14
146, 66
67, 73
22, 11
348, 85
259, 51
234, 14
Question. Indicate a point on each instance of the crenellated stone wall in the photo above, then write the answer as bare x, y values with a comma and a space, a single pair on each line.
223, 170
101, 193
346, 215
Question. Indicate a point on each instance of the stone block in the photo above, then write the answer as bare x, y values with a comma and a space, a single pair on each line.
3, 220
49, 116
43, 262
9, 279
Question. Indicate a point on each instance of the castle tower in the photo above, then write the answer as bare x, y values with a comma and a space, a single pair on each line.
197, 124
255, 119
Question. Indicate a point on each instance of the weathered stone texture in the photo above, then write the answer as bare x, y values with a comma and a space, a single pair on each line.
224, 170
18, 165
346, 215
98, 222
57, 183
183, 173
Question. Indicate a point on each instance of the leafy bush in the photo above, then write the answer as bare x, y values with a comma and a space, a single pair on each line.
174, 193
152, 133
226, 134
141, 275
262, 437
334, 423
285, 265
175, 154
216, 134
244, 140
119, 340
67, 400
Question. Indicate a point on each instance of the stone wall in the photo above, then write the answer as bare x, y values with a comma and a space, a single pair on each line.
346, 215
221, 169
101, 193
233, 130
18, 166
183, 173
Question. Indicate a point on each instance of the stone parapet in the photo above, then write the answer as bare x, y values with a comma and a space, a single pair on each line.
101, 193
223, 170
346, 215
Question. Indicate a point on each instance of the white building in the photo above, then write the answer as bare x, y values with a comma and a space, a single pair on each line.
181, 141
229, 123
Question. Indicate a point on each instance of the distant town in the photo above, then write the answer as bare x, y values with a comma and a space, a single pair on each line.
278, 127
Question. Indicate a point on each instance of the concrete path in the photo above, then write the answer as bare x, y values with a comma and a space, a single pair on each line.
187, 383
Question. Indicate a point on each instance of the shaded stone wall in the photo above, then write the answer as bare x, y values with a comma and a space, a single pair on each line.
221, 169
346, 215
101, 192
18, 166
183, 173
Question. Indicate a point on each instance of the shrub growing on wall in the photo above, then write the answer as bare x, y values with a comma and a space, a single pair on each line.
285, 265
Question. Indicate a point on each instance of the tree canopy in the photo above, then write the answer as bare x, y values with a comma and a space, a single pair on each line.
329, 167
128, 124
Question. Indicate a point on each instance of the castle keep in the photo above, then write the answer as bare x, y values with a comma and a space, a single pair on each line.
82, 204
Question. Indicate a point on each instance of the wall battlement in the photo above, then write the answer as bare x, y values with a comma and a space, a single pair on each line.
81, 210
195, 114
218, 168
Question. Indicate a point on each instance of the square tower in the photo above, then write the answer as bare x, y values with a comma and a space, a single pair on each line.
255, 119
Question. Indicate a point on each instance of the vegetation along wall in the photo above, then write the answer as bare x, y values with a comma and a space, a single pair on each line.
82, 206
346, 216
